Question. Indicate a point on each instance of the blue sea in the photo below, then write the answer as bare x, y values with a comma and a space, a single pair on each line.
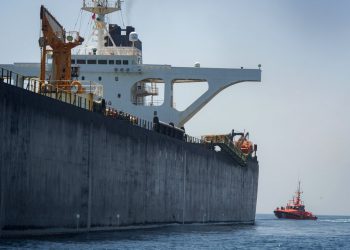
328, 232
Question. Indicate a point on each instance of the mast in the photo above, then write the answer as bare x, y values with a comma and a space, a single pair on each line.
99, 9
298, 193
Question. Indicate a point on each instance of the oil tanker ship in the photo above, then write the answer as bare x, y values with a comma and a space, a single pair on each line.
86, 147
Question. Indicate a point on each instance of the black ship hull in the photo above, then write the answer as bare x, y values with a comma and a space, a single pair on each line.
65, 169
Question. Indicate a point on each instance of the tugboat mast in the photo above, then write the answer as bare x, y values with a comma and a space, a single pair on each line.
99, 9
298, 193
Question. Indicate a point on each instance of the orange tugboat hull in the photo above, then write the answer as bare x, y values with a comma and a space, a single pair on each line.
295, 215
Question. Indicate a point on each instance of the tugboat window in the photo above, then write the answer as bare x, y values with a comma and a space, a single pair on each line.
83, 78
73, 61
118, 62
100, 78
125, 62
111, 61
116, 78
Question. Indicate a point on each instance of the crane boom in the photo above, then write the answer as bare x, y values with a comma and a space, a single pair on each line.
61, 44
52, 24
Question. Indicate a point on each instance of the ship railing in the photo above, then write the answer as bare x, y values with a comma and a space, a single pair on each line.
60, 93
104, 4
48, 89
15, 79
194, 140
120, 115
88, 87
145, 90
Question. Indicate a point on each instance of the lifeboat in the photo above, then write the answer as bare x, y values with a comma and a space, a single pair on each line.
295, 209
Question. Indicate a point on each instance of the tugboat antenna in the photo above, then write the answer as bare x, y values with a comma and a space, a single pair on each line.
298, 200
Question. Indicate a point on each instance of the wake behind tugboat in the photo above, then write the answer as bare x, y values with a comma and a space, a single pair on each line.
295, 209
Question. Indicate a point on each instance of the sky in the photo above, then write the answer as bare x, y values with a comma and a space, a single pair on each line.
298, 115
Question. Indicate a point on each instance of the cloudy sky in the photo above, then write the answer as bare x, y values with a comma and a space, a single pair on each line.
298, 115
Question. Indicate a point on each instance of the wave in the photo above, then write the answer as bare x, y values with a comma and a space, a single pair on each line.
347, 220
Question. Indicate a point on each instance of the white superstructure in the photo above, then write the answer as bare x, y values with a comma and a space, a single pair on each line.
115, 61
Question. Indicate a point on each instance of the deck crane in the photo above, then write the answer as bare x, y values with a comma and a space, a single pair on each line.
61, 44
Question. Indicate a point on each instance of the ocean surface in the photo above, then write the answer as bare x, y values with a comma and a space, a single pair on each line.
328, 232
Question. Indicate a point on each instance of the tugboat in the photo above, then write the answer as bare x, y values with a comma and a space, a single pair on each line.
295, 209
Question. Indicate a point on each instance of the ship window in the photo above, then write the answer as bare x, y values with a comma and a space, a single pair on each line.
91, 61
118, 62
75, 71
81, 61
125, 62
102, 61
100, 78
83, 78
111, 61
73, 61
119, 95
116, 78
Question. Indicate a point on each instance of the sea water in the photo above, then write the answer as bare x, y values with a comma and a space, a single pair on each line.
328, 232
